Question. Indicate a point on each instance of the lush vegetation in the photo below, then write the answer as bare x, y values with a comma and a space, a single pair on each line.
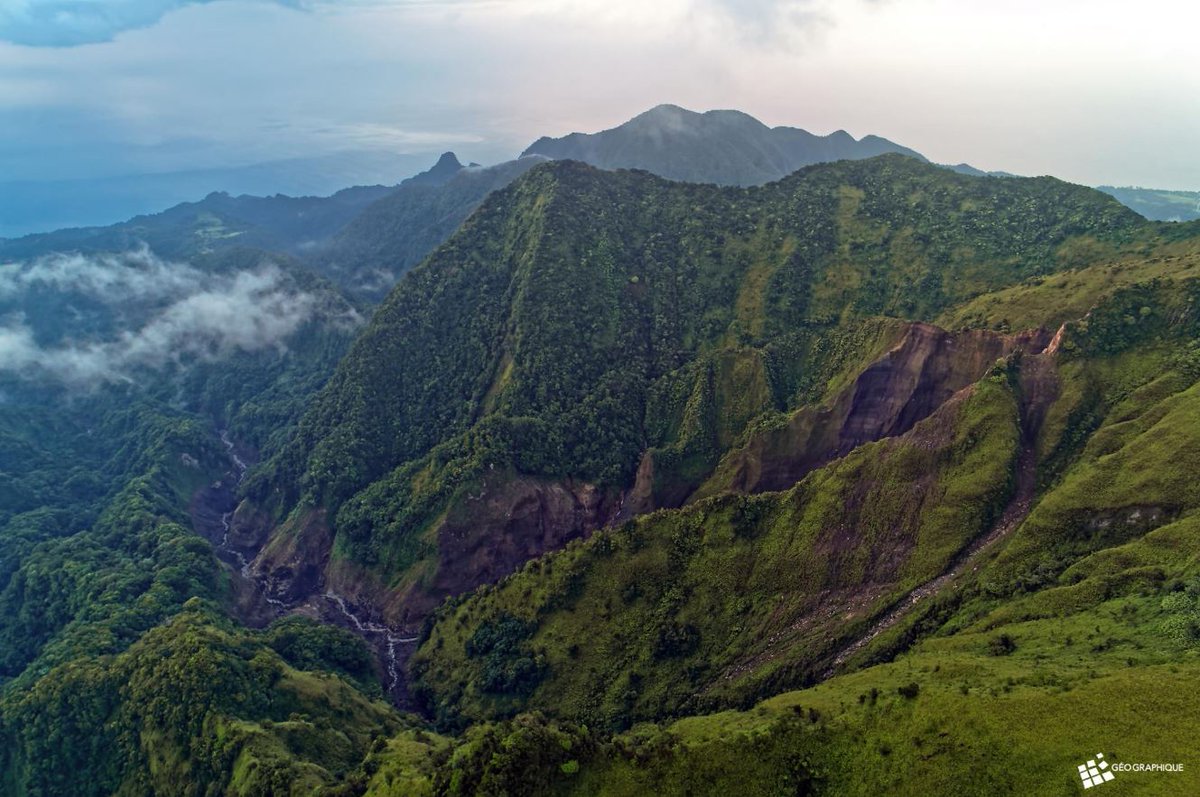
732, 599
120, 670
581, 318
613, 329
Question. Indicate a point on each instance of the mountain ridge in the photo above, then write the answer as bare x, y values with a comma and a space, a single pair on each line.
378, 432
722, 146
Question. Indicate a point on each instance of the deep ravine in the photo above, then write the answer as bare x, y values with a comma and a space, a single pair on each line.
257, 607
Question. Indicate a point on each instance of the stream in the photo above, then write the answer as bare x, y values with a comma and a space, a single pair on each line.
391, 646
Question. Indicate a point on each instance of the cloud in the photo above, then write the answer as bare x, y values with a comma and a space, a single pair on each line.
771, 21
226, 84
66, 23
198, 316
69, 23
135, 275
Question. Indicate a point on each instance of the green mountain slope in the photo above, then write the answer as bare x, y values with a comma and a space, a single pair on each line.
1072, 632
889, 466
583, 318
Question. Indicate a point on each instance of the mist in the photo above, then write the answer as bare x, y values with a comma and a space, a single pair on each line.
161, 313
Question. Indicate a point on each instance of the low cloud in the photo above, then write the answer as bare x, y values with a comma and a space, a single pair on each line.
196, 316
118, 277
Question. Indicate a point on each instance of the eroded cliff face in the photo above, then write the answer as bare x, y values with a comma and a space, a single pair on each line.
483, 536
492, 530
496, 531
906, 385
292, 565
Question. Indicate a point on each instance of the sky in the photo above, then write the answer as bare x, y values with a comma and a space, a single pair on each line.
1096, 92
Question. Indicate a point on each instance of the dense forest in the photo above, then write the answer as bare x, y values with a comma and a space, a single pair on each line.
873, 479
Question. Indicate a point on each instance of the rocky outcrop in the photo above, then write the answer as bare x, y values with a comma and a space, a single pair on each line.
906, 385
483, 536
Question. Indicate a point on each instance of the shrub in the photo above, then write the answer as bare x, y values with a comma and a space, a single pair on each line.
1002, 645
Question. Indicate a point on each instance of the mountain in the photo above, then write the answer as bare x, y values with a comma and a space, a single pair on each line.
868, 459
440, 173
361, 237
873, 478
365, 237
216, 223
722, 147
295, 225
591, 345
397, 231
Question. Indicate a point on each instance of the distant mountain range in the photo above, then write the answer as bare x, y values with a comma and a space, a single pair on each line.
1158, 205
722, 147
364, 237
38, 205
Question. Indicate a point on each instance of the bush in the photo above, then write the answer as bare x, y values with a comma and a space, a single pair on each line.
1002, 645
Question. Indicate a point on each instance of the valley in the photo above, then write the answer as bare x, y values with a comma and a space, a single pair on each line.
836, 472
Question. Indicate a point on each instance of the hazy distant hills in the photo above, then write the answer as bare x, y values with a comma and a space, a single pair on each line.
38, 205
396, 232
301, 226
219, 221
723, 147
1158, 205
365, 237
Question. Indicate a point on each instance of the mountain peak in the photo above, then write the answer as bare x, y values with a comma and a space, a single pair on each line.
446, 167
726, 147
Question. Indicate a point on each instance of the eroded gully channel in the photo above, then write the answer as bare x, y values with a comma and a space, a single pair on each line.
1039, 384
212, 513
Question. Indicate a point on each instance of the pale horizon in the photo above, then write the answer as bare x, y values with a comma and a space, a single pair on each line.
1093, 93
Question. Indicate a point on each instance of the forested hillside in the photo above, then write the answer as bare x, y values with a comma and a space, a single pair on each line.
585, 327
632, 486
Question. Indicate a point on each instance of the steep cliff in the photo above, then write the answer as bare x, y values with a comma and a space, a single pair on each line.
906, 385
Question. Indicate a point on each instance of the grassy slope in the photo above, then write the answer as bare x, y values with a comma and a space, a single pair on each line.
736, 596
1054, 299
1098, 607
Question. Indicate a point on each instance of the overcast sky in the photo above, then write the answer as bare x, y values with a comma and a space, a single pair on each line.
1093, 91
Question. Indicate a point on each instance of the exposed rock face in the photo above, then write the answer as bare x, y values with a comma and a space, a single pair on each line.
481, 538
513, 519
906, 385
494, 533
292, 565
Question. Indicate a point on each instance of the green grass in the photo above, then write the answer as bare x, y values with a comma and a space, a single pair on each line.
731, 598
1053, 299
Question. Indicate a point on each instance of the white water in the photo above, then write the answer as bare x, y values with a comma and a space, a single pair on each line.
239, 467
364, 627
369, 627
